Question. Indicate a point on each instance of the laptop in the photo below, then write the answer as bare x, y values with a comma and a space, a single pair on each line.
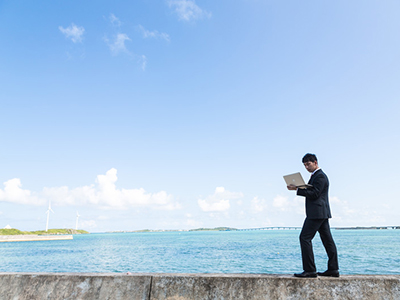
297, 180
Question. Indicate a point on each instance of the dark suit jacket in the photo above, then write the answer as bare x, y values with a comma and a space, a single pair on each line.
317, 202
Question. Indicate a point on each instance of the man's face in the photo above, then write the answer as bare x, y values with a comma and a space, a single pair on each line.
311, 166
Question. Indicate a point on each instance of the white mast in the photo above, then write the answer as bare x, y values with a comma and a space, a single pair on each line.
48, 214
77, 217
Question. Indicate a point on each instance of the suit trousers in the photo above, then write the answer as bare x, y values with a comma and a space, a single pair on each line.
310, 228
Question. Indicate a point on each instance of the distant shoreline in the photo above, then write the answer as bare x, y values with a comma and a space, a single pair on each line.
249, 229
366, 228
17, 232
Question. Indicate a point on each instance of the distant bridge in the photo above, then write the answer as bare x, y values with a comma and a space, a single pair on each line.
271, 228
299, 228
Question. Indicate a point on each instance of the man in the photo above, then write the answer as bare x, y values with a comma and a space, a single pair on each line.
317, 220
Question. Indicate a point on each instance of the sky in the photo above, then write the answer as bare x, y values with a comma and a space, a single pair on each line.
180, 114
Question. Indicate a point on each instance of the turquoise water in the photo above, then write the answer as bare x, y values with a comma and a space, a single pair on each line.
270, 251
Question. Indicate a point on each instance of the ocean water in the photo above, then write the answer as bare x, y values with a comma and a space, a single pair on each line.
268, 251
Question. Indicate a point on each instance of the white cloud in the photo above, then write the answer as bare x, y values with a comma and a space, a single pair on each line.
258, 205
153, 34
143, 62
193, 223
219, 201
103, 194
73, 32
14, 193
281, 203
343, 214
114, 20
89, 224
215, 205
342, 205
187, 10
118, 44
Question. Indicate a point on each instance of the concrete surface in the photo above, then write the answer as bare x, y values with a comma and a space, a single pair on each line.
73, 286
274, 287
32, 286
33, 237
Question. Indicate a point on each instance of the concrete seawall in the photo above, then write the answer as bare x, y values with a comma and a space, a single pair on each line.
34, 237
32, 286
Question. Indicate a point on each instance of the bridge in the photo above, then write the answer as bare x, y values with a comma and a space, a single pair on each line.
299, 228
271, 228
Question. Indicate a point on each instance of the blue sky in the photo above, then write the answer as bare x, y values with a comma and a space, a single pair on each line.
178, 114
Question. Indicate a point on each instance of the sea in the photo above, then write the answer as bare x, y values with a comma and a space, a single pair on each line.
255, 251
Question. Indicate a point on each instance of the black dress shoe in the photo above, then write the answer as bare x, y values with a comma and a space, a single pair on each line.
306, 274
329, 273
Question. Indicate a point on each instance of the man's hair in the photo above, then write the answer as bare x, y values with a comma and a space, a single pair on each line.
310, 157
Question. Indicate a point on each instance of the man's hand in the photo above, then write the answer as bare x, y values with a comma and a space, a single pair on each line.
292, 187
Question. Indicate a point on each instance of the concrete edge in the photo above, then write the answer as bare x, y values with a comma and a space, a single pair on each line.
34, 238
182, 286
206, 275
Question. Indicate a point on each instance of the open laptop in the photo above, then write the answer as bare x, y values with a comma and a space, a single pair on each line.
297, 180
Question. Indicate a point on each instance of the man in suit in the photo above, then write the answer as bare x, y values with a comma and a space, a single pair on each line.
317, 220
